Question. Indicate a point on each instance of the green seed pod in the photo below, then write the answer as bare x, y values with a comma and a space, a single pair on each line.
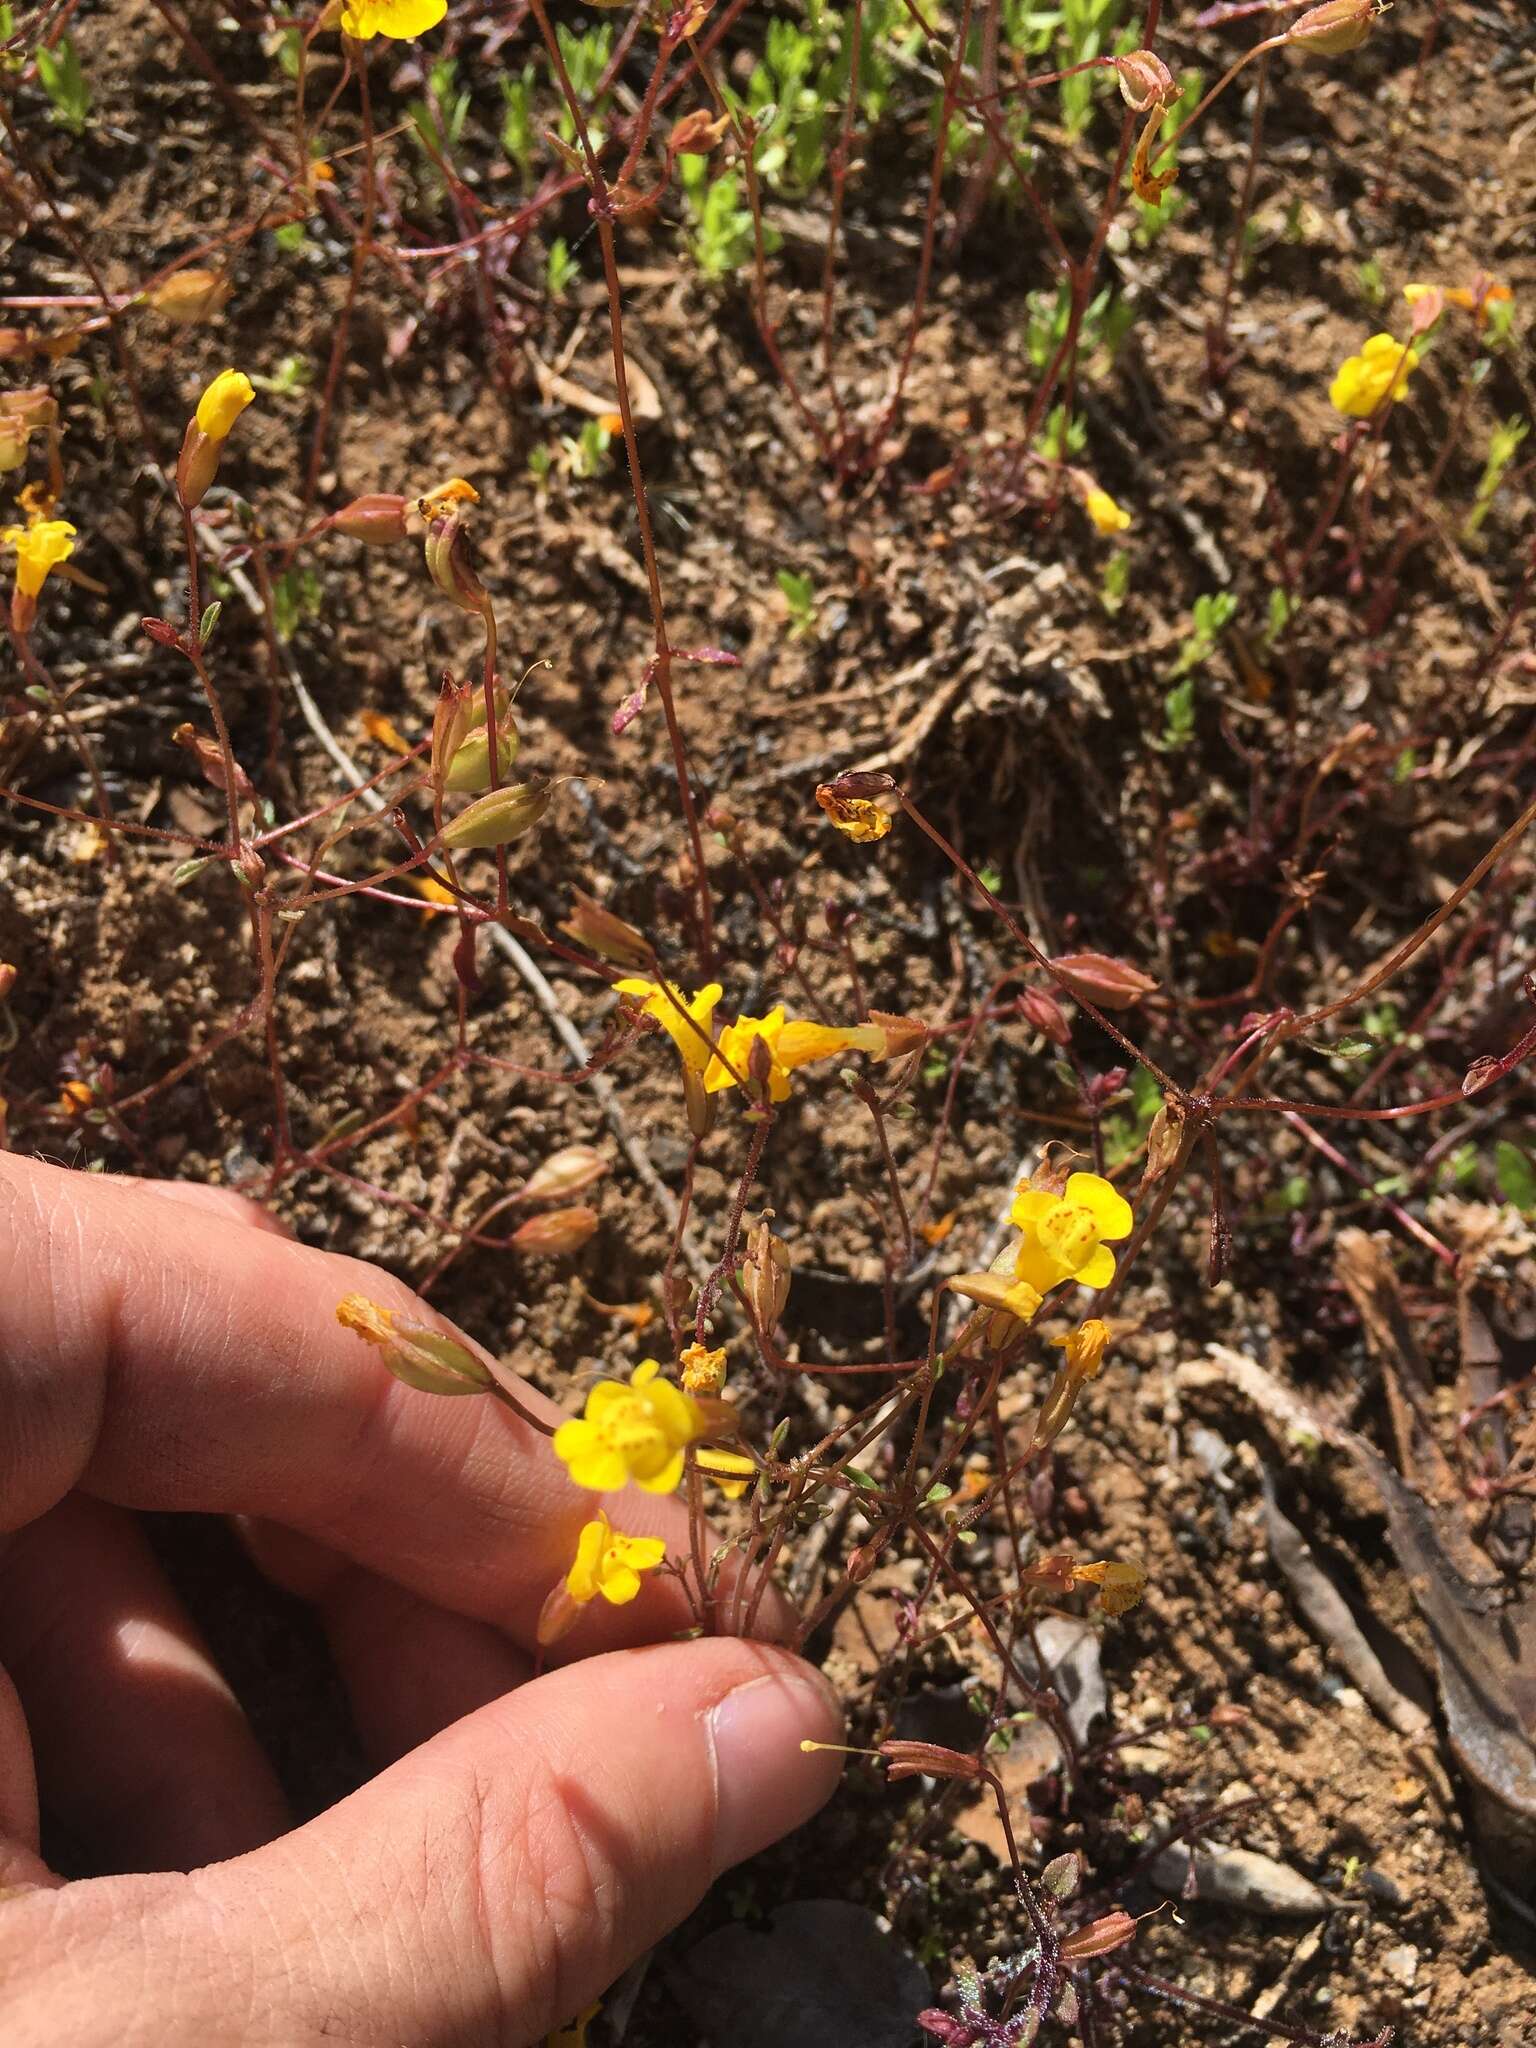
424, 1358
499, 817
470, 769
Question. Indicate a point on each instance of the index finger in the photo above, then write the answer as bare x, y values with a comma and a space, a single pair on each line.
195, 1364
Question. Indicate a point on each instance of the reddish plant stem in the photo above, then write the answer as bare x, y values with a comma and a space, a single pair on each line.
603, 209
361, 250
1217, 343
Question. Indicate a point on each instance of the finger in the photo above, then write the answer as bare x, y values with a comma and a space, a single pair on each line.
225, 1202
205, 1370
18, 1777
142, 1750
490, 1885
411, 1669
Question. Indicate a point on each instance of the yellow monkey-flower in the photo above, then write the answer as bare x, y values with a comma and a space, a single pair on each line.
223, 402
398, 19
1067, 1236
39, 548
1107, 516
689, 1023
1380, 371
790, 1043
631, 1433
607, 1565
207, 431
611, 1564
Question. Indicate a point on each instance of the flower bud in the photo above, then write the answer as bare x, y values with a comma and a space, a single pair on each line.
765, 1276
699, 1107
1164, 1139
22, 413
208, 429
555, 1233
590, 925
563, 1174
1056, 1410
452, 723
189, 296
1110, 984
470, 768
8, 979
1334, 28
946, 2029
424, 1358
760, 1065
1110, 1931
860, 783
449, 565
377, 518
1040, 1008
499, 817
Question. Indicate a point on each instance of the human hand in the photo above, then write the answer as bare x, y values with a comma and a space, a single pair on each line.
165, 1347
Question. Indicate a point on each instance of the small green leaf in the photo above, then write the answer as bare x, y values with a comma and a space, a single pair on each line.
1350, 1048
209, 620
1515, 1172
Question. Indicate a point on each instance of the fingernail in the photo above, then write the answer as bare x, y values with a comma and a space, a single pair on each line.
765, 1784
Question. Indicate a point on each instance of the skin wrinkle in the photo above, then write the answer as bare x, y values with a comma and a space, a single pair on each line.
572, 1887
476, 1867
42, 1405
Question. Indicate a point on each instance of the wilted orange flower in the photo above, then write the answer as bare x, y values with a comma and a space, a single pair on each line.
703, 1370
1120, 1585
385, 731
855, 816
1084, 1347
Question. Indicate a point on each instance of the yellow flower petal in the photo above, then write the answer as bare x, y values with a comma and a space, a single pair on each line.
1380, 371
39, 548
665, 1480
673, 1011
1106, 515
1111, 1211
223, 402
731, 1471
1099, 1270
398, 19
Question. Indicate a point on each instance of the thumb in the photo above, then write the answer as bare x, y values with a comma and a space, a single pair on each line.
488, 1886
